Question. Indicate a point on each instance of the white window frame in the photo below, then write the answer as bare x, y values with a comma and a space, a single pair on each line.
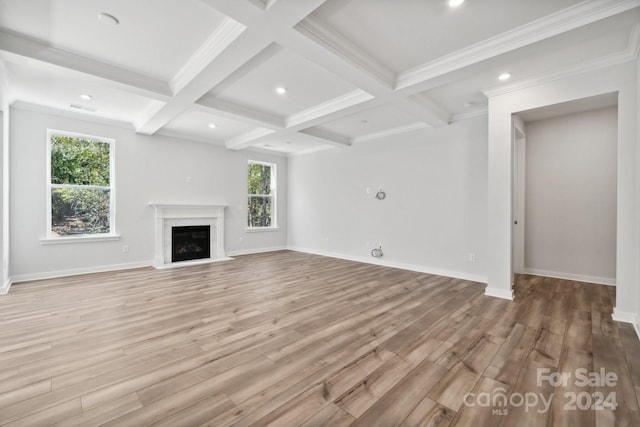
273, 195
50, 238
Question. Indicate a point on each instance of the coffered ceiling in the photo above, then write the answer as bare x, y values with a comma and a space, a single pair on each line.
348, 71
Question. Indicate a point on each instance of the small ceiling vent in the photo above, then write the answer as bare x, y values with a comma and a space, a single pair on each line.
83, 107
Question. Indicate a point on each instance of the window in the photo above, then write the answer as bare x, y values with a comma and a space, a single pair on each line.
80, 185
261, 210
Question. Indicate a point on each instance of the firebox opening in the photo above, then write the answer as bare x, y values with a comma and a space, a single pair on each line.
190, 242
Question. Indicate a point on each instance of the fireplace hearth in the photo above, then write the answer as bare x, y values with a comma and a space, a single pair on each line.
190, 242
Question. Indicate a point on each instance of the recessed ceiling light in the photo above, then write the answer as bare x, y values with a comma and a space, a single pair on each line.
455, 3
108, 19
281, 90
504, 76
469, 104
86, 96
212, 125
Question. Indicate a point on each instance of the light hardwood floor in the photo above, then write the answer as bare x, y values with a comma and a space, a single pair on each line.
289, 339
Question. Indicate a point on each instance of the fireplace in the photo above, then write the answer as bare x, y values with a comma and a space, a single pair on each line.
190, 242
188, 234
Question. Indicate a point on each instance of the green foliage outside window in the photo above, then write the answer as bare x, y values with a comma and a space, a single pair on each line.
260, 209
80, 186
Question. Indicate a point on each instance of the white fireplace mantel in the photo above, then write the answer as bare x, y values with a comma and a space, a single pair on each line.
178, 215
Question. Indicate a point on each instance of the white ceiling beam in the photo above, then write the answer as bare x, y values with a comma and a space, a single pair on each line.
32, 49
250, 138
327, 48
217, 42
323, 137
417, 79
215, 65
242, 113
258, 136
306, 118
241, 50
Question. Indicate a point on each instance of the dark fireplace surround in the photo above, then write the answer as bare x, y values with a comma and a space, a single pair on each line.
190, 243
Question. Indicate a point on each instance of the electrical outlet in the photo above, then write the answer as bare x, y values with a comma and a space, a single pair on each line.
125, 249
472, 257
189, 180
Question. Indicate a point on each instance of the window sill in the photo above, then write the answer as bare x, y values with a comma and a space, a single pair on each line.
83, 239
261, 229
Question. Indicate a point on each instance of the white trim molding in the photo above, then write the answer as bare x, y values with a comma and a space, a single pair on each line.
565, 20
5, 288
256, 251
569, 276
627, 317
218, 41
343, 102
390, 132
499, 293
393, 264
79, 271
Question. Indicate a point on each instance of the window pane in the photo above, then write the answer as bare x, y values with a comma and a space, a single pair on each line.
259, 179
259, 211
75, 211
79, 161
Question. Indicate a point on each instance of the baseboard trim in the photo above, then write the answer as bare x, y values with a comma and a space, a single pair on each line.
393, 264
256, 251
5, 288
569, 276
183, 264
623, 316
627, 317
499, 293
79, 271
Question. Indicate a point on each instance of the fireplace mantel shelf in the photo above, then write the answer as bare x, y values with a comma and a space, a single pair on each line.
168, 215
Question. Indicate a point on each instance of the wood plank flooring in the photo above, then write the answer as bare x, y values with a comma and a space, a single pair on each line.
291, 339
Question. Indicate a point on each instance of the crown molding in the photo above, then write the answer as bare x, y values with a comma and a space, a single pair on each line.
335, 42
324, 137
247, 139
427, 110
36, 50
211, 104
181, 136
331, 106
310, 151
607, 61
43, 109
470, 114
390, 132
565, 20
225, 34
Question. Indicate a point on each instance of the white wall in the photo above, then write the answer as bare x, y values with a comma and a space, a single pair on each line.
4, 198
434, 214
571, 170
637, 286
148, 169
620, 78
